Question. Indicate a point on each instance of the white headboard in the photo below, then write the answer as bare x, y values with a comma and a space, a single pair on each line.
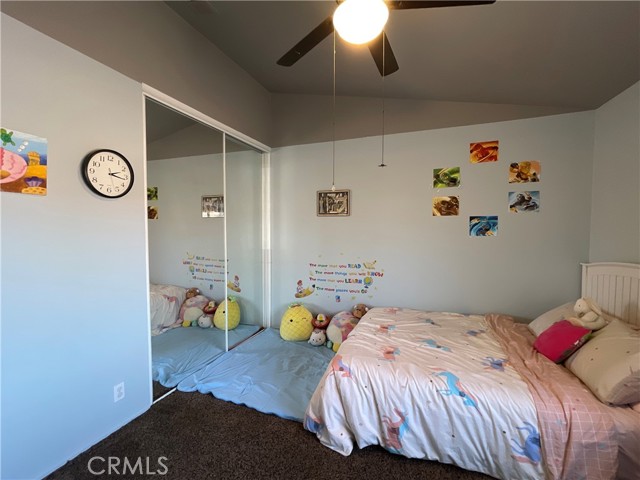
615, 287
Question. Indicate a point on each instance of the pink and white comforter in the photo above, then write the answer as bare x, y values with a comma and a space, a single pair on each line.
440, 386
164, 305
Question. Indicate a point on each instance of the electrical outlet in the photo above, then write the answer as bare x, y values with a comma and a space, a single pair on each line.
118, 392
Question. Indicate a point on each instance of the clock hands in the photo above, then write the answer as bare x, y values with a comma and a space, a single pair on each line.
116, 175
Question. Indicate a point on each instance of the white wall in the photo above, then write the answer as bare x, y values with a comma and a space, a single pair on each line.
74, 289
180, 228
431, 262
615, 216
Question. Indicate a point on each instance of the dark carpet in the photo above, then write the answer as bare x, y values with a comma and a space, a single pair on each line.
201, 437
159, 390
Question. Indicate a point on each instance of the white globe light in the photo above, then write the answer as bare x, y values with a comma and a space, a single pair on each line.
360, 21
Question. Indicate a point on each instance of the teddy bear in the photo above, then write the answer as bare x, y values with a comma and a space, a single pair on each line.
588, 314
342, 324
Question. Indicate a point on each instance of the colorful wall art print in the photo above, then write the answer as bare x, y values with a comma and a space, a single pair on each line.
524, 201
23, 163
483, 226
152, 193
524, 172
446, 206
483, 152
446, 177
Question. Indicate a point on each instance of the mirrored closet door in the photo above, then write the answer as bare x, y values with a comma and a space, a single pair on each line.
185, 180
244, 206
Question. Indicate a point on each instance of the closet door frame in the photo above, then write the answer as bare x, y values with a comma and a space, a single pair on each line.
172, 103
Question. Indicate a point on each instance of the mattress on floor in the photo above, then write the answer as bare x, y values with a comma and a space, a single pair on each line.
183, 351
265, 373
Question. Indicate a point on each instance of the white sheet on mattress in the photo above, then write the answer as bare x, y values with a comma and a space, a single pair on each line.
428, 385
165, 302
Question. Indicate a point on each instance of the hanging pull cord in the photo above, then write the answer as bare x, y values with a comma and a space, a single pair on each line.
382, 164
333, 120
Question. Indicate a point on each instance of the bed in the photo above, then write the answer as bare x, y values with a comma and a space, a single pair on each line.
472, 391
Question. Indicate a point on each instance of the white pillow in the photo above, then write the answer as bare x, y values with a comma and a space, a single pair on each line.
547, 319
609, 364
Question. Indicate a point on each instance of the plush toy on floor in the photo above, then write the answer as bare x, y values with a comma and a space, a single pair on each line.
588, 314
192, 308
295, 325
233, 307
318, 337
342, 324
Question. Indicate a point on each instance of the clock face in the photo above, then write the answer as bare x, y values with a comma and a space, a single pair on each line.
107, 173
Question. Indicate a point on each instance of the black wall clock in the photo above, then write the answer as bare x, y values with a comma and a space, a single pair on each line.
107, 173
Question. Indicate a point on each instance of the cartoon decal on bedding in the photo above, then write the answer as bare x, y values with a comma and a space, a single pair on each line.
313, 424
495, 363
529, 450
454, 388
386, 329
394, 431
389, 353
338, 366
431, 343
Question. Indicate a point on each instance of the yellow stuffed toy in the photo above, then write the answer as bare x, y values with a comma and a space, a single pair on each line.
295, 325
233, 307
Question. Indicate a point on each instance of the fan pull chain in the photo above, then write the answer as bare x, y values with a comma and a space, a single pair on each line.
333, 121
382, 164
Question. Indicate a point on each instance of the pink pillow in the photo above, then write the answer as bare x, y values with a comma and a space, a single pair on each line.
560, 340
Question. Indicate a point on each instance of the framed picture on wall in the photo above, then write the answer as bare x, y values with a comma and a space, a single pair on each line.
334, 203
212, 206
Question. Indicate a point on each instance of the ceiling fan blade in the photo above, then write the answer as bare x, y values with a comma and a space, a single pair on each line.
303, 47
383, 57
405, 5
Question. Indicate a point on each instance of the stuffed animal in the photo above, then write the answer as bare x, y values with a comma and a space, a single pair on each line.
588, 314
295, 325
205, 321
210, 308
192, 309
233, 307
342, 324
320, 322
318, 337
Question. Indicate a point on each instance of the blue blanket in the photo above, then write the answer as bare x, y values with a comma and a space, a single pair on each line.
265, 373
183, 351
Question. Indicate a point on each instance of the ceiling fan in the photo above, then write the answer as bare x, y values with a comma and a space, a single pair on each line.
379, 47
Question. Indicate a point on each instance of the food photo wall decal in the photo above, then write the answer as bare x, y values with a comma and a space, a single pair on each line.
524, 201
446, 177
483, 152
483, 226
448, 206
524, 172
23, 163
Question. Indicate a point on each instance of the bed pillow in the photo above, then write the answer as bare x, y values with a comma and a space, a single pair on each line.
610, 364
547, 319
560, 340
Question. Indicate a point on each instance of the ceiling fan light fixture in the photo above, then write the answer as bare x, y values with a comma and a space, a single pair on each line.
360, 21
